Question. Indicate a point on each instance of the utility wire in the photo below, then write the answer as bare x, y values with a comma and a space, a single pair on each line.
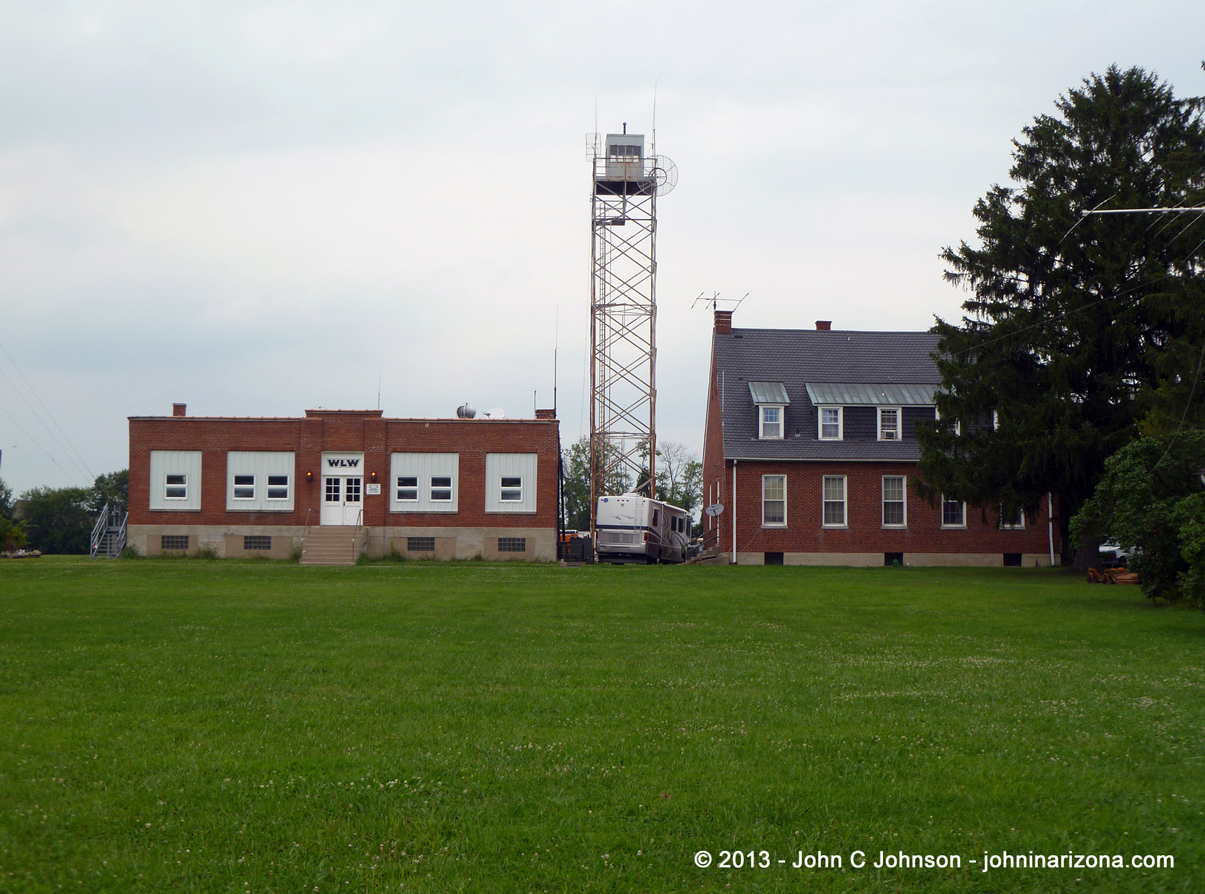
78, 459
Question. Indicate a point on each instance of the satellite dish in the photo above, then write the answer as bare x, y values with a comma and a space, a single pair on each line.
665, 172
496, 413
714, 509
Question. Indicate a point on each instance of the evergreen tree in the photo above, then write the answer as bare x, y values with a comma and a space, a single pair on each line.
1081, 331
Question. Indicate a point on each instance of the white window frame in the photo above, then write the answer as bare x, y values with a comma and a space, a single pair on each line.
449, 488
399, 487
236, 487
423, 469
903, 501
168, 484
511, 465
288, 487
780, 409
824, 501
840, 424
765, 480
185, 464
504, 488
961, 525
261, 467
899, 423
1019, 526
957, 424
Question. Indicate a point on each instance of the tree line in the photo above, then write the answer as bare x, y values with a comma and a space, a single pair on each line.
679, 481
58, 520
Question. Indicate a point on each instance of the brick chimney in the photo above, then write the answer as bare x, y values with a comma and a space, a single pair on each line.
548, 413
178, 409
824, 325
723, 321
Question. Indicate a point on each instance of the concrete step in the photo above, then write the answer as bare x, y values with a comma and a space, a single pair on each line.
333, 545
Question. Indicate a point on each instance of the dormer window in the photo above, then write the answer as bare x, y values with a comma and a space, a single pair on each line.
831, 424
771, 401
771, 422
889, 423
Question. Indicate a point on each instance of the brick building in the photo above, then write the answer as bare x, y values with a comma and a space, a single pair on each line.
428, 488
810, 446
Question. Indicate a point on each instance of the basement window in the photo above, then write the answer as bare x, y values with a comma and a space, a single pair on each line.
257, 541
173, 541
512, 544
420, 544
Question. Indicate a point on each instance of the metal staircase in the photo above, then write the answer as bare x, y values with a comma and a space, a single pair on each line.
109, 533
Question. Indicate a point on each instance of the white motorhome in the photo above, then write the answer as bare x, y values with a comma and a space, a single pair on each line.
632, 528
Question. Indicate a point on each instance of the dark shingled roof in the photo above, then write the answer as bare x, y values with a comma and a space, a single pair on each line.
795, 357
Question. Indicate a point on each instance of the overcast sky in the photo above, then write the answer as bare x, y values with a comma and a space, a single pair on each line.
257, 208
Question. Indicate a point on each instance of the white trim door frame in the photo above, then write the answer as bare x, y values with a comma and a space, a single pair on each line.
342, 488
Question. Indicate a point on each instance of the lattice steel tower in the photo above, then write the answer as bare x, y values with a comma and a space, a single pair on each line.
623, 314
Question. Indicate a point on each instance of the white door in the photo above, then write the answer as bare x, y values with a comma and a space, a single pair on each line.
342, 487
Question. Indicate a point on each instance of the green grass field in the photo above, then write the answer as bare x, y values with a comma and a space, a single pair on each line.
184, 725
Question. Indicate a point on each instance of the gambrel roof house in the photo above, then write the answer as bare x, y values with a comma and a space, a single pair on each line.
811, 448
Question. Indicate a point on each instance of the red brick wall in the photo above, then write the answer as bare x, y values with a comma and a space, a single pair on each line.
864, 532
336, 431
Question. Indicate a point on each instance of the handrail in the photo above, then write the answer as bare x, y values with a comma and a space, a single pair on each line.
355, 540
98, 532
117, 548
